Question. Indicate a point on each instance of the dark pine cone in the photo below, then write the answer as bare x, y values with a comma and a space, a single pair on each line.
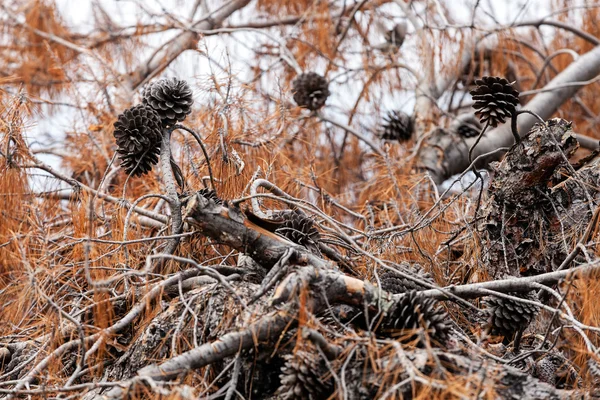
495, 100
171, 98
138, 135
466, 125
467, 131
397, 125
297, 228
414, 311
310, 90
210, 194
509, 316
292, 225
394, 283
304, 376
554, 368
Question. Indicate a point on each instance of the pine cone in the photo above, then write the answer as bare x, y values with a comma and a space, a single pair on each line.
310, 90
397, 125
495, 100
210, 194
509, 316
554, 368
466, 125
395, 283
303, 377
297, 228
414, 311
339, 314
138, 135
171, 98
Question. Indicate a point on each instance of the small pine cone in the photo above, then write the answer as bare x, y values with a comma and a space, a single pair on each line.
298, 228
339, 313
394, 283
397, 125
210, 194
509, 316
495, 100
466, 125
554, 368
310, 90
304, 377
171, 98
414, 311
138, 135
468, 131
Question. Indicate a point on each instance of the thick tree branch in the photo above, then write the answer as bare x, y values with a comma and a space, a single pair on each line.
544, 104
179, 44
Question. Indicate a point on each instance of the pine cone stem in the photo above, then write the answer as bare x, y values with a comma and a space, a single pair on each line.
199, 140
487, 125
514, 129
171, 188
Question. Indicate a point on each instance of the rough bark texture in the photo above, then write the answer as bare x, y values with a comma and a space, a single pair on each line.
530, 209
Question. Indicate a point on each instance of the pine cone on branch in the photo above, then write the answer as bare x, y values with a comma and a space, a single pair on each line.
397, 125
414, 311
310, 90
171, 98
393, 282
304, 377
292, 225
210, 194
508, 317
298, 228
495, 100
138, 135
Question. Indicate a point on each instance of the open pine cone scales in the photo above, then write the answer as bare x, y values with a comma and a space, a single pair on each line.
395, 283
303, 377
138, 136
310, 90
495, 100
396, 125
414, 311
298, 228
510, 316
171, 98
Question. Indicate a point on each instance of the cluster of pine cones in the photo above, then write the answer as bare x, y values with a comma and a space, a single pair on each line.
495, 101
139, 129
